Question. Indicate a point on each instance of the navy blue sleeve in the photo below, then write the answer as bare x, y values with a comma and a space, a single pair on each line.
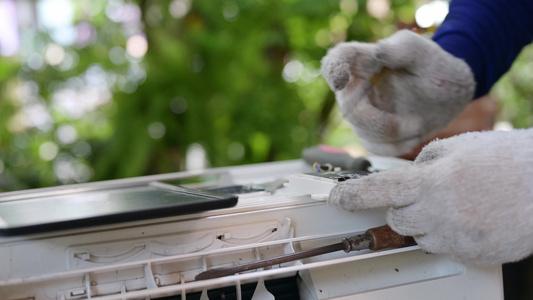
488, 35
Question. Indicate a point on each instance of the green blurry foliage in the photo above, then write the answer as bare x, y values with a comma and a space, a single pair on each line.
240, 78
514, 91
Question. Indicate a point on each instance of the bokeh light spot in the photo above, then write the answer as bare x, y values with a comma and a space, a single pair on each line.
137, 46
81, 149
349, 6
230, 11
292, 71
117, 55
35, 61
431, 14
235, 151
54, 54
378, 8
196, 158
66, 134
322, 38
178, 105
179, 8
156, 130
48, 151
339, 23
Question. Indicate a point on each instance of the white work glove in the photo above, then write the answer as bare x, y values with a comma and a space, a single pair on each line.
469, 196
420, 91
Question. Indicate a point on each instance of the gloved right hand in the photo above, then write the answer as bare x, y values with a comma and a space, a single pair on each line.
418, 88
469, 196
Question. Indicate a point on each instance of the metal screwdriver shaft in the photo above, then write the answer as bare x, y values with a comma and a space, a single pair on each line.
374, 239
221, 272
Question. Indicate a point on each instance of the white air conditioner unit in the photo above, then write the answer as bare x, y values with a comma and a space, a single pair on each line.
278, 213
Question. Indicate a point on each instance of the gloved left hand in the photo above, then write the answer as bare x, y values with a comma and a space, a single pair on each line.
469, 196
418, 88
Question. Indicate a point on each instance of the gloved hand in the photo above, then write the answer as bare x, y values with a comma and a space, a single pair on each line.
469, 196
418, 89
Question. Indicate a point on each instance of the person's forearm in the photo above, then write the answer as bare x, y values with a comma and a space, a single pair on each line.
488, 35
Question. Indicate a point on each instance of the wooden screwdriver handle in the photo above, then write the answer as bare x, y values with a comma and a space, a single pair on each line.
383, 237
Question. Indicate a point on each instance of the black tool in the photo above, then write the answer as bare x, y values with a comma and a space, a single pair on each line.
323, 154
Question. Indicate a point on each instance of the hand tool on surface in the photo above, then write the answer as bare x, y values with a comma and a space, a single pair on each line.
324, 154
377, 238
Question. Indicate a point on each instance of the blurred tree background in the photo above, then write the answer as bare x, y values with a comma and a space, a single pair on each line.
95, 90
109, 89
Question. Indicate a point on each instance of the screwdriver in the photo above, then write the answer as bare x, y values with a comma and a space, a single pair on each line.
377, 238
